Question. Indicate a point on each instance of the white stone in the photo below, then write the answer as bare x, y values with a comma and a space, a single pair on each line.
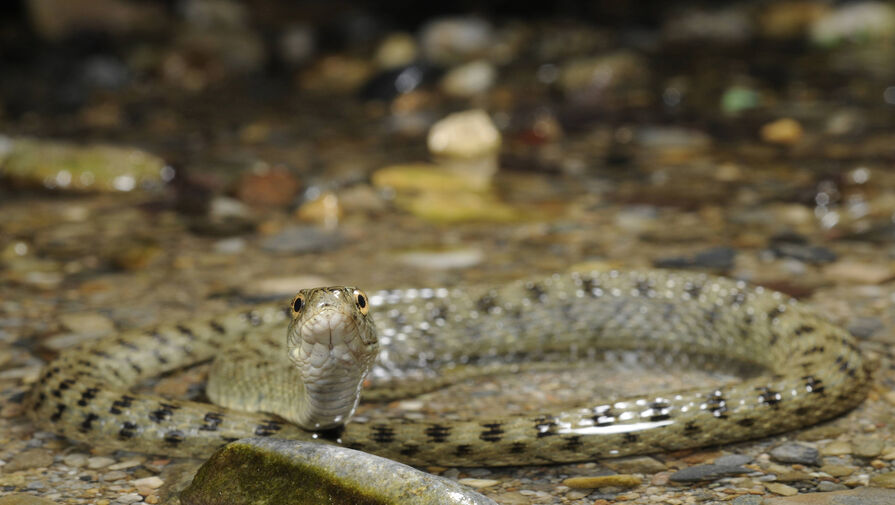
469, 79
479, 483
153, 482
467, 134
99, 462
396, 50
860, 20
449, 40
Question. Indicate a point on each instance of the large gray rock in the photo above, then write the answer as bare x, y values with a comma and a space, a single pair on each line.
265, 470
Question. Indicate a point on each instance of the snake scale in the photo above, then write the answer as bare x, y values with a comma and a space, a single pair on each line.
807, 370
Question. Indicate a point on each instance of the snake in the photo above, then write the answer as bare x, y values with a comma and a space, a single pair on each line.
296, 371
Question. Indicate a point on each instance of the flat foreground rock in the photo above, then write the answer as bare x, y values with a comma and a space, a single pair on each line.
262, 470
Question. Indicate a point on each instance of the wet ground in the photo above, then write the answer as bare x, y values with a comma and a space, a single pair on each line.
764, 151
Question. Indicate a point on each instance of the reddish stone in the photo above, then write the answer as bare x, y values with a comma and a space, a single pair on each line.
275, 187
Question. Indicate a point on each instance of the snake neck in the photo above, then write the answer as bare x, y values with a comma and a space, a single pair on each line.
329, 401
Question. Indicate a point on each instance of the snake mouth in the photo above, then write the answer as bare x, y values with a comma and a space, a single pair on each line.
329, 327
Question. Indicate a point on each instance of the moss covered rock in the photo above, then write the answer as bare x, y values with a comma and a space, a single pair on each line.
260, 471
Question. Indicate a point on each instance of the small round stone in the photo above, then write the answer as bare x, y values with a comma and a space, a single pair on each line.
781, 489
479, 483
837, 448
75, 460
884, 480
792, 452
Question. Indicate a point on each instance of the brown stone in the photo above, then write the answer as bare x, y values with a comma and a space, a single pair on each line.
32, 458
274, 187
620, 480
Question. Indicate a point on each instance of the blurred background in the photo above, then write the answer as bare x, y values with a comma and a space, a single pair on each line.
197, 136
163, 159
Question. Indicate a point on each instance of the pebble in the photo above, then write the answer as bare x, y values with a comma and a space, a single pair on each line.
803, 252
855, 480
302, 239
886, 480
793, 476
672, 138
854, 21
714, 26
470, 79
153, 482
68, 167
716, 258
466, 134
865, 327
443, 260
222, 207
75, 460
114, 475
827, 486
267, 186
793, 452
786, 131
660, 479
747, 499
97, 462
129, 498
821, 433
87, 323
889, 396
24, 499
733, 460
324, 210
739, 98
479, 483
336, 73
297, 44
637, 464
700, 473
867, 447
781, 489
452, 39
396, 50
858, 272
31, 458
620, 480
282, 287
513, 498
439, 195
361, 199
130, 463
233, 245
838, 470
836, 448
789, 20
446, 207
421, 177
135, 256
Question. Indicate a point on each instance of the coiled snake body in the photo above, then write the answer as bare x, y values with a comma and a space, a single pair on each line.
808, 370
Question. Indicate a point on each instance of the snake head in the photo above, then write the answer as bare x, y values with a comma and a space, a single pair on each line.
331, 333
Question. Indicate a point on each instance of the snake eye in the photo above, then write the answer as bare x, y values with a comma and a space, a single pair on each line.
360, 298
297, 303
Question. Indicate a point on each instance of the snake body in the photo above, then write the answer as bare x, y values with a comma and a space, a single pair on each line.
807, 370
